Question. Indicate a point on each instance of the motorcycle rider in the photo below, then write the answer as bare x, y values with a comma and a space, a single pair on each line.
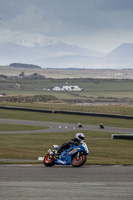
101, 126
80, 125
78, 139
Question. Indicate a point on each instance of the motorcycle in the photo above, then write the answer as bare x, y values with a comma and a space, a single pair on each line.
75, 156
101, 126
80, 125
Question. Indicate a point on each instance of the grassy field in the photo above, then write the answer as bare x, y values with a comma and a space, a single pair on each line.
90, 120
103, 150
18, 127
108, 109
92, 87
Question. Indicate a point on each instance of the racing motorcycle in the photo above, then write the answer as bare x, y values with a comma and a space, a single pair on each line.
75, 156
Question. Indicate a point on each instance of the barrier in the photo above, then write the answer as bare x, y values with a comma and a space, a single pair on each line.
122, 136
40, 158
67, 112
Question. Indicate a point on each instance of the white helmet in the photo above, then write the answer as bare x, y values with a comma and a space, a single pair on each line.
80, 137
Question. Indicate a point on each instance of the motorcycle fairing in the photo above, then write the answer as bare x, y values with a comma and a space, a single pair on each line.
66, 156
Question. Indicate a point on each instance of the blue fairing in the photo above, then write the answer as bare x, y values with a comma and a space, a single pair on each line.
66, 156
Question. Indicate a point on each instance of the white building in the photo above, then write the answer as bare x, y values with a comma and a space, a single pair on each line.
118, 74
67, 88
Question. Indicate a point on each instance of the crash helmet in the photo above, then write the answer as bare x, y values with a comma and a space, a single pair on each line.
80, 137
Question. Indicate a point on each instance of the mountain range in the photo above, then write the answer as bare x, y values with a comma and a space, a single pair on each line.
61, 55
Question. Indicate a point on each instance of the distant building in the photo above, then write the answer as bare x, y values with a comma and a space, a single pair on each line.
18, 85
22, 74
2, 76
67, 88
37, 76
32, 76
118, 74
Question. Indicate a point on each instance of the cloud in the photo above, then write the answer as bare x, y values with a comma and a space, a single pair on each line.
29, 18
113, 5
61, 17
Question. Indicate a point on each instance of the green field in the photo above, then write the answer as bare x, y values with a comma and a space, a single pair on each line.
92, 87
74, 119
18, 127
103, 150
108, 109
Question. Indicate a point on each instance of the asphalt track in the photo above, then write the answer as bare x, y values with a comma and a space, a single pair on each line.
54, 127
66, 182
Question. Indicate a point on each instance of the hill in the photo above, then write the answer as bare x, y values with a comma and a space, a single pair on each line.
61, 55
125, 50
24, 66
14, 53
122, 56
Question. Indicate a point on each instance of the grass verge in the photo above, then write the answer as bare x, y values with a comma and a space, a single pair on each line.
103, 150
90, 120
18, 127
120, 109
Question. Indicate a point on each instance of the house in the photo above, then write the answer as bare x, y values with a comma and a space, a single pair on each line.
67, 88
118, 74
36, 76
2, 76
32, 76
22, 74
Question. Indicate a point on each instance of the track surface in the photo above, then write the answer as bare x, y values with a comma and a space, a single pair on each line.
60, 182
54, 127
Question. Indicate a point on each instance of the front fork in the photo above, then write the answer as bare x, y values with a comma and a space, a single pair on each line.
52, 153
77, 156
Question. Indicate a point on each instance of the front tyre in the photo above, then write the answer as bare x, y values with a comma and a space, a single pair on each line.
48, 161
77, 162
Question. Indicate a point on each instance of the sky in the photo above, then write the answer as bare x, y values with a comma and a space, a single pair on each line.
100, 25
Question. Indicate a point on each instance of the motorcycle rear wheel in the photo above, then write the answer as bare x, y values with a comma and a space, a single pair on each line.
48, 161
80, 161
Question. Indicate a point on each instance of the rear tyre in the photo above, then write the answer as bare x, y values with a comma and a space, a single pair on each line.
77, 162
48, 161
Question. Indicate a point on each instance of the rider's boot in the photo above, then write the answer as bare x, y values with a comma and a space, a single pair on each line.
58, 154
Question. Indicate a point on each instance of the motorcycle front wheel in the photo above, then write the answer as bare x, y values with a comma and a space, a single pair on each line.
77, 162
48, 161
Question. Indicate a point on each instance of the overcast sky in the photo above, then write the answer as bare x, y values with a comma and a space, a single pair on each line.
100, 25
